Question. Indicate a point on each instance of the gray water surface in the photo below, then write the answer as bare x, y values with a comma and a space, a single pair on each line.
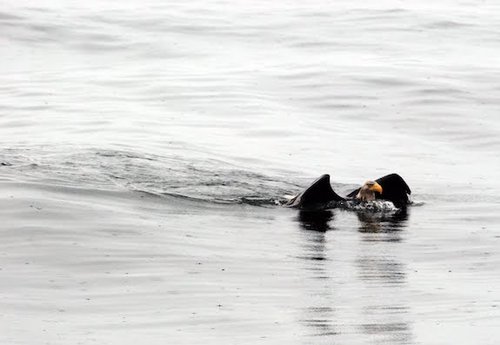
146, 148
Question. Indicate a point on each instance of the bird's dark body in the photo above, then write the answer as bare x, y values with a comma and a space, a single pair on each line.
320, 194
394, 188
316, 195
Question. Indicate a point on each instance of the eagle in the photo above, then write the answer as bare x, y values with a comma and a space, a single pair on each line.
320, 194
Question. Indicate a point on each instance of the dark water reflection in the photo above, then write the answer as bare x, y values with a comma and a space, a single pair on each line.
384, 227
370, 222
384, 276
318, 313
369, 268
320, 320
315, 224
316, 220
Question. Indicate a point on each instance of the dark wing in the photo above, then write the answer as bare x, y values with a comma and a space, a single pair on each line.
317, 195
394, 189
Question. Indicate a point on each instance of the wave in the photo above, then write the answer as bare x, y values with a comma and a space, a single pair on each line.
202, 180
168, 177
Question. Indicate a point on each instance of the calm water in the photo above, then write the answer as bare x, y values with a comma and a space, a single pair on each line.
145, 147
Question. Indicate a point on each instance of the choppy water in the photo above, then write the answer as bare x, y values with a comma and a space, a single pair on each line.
144, 146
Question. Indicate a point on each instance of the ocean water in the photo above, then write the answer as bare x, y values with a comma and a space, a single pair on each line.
146, 147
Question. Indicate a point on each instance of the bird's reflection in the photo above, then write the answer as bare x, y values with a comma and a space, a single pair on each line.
383, 319
317, 314
383, 223
315, 220
320, 319
370, 222
316, 224
395, 332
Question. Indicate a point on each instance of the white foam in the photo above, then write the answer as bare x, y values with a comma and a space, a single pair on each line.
375, 206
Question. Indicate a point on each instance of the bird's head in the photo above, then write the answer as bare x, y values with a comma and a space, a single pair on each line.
367, 191
373, 186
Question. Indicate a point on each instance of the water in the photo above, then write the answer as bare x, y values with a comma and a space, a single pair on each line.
146, 145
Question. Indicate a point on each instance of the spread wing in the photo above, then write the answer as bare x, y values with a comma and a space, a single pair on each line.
317, 195
394, 189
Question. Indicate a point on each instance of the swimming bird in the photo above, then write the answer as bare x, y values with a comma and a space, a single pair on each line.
320, 194
368, 190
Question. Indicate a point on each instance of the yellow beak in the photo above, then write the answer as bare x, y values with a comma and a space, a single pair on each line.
376, 188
